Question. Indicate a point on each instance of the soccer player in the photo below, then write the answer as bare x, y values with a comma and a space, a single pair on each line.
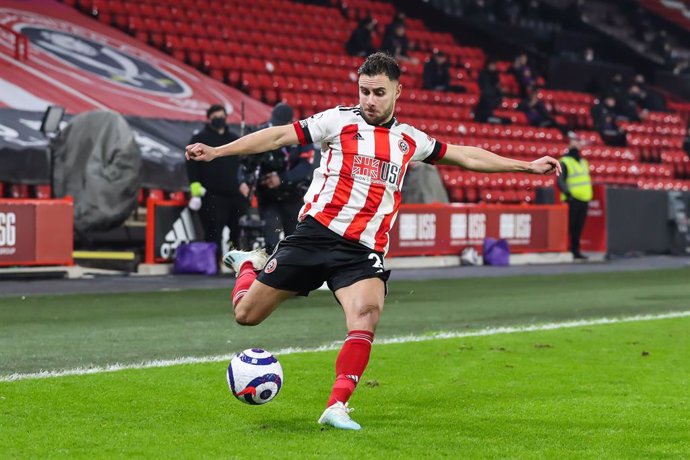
349, 208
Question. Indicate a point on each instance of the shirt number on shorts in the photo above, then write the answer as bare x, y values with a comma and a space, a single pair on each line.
378, 263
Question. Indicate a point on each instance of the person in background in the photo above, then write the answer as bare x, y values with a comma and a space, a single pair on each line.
360, 42
630, 103
214, 187
616, 88
536, 112
604, 116
282, 180
397, 44
436, 75
398, 18
575, 184
491, 95
523, 74
647, 98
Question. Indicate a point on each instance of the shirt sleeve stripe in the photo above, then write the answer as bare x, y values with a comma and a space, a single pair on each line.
303, 134
437, 154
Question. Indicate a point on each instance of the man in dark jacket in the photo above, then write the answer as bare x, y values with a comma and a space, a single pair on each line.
281, 178
491, 94
360, 41
536, 112
604, 115
397, 44
214, 187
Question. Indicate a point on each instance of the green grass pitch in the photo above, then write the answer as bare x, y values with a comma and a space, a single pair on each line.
605, 391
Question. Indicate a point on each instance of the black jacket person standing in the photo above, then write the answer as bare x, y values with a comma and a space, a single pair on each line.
281, 178
215, 185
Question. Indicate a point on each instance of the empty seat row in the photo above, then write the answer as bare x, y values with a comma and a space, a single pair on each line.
677, 131
460, 194
667, 184
24, 191
509, 131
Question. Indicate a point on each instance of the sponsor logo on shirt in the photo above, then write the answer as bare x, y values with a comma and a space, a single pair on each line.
374, 171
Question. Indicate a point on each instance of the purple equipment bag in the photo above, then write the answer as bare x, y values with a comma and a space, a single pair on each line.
196, 257
496, 252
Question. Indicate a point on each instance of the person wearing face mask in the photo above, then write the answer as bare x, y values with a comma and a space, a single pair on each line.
576, 189
214, 188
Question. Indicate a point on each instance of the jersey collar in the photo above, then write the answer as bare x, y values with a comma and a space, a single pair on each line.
388, 125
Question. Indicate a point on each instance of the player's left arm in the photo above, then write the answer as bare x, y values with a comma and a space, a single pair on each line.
480, 160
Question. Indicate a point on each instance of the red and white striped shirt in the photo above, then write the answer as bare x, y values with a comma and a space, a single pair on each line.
355, 191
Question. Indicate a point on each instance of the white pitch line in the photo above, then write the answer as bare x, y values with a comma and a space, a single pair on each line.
336, 345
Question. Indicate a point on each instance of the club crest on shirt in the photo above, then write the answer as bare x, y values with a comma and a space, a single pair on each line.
271, 266
403, 146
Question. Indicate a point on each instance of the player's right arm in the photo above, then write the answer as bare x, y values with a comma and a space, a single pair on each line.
261, 141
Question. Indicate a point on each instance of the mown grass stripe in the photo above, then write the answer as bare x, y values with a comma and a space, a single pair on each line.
336, 345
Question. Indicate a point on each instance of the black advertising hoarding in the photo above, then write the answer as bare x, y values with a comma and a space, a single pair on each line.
169, 224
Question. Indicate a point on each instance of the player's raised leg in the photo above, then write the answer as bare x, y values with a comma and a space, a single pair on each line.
252, 301
362, 303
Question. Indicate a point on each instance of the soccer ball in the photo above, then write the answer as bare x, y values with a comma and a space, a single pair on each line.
255, 376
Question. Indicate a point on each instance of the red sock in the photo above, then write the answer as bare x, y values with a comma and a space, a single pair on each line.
349, 367
244, 280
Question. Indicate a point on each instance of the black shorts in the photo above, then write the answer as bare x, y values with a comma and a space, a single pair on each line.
313, 254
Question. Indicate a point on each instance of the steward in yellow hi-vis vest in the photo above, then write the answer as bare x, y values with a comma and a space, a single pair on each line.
575, 184
577, 178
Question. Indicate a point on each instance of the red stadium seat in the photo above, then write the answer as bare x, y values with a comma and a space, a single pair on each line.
19, 191
41, 192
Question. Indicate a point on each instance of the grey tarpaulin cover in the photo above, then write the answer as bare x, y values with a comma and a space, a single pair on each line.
423, 184
97, 161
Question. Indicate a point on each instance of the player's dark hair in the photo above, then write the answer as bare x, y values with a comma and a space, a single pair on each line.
380, 63
215, 108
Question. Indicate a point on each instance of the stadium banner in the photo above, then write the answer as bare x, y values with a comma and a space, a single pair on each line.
24, 149
82, 64
169, 223
36, 232
447, 229
595, 235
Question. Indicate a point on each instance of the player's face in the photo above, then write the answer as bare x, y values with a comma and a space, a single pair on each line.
377, 96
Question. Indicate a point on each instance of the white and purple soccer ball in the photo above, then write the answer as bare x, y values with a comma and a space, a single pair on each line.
255, 376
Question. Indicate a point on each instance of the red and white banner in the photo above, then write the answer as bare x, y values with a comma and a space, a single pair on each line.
423, 229
36, 232
82, 64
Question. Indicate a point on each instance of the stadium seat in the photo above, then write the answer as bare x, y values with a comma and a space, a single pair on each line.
41, 192
281, 56
19, 191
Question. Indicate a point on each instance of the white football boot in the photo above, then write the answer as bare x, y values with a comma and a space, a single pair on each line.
338, 416
235, 259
